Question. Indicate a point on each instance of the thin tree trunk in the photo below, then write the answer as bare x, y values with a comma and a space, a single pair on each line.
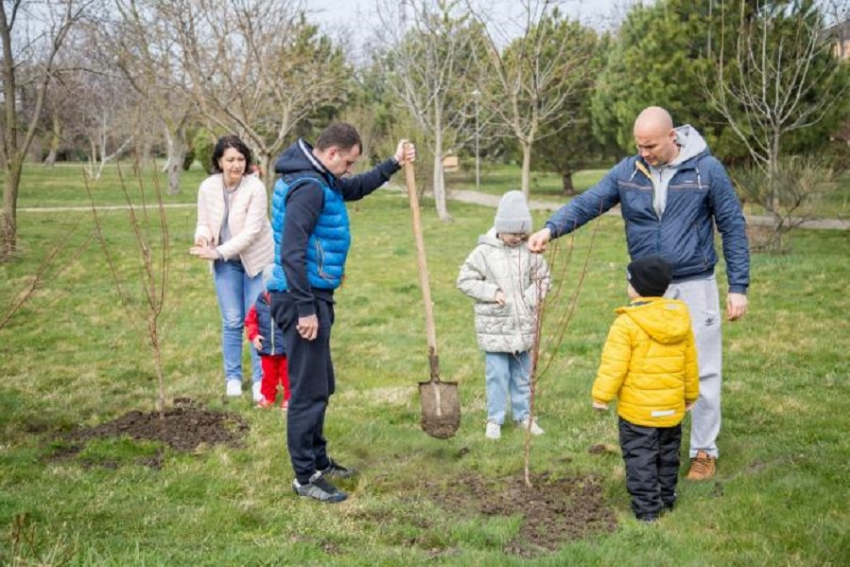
526, 169
266, 163
439, 178
50, 160
176, 145
9, 221
55, 140
567, 184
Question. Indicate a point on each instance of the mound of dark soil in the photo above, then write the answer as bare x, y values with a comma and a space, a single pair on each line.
554, 511
184, 428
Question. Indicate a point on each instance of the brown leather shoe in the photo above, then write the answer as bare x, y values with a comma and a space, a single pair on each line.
703, 467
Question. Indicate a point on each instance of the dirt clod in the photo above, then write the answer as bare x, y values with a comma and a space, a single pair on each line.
184, 428
603, 448
440, 408
554, 511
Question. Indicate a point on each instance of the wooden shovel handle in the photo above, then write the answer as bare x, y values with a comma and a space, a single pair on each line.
423, 266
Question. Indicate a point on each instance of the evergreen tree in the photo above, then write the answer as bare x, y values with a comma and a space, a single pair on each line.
661, 57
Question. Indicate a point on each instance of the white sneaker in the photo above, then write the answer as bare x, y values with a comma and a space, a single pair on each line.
493, 431
535, 429
256, 391
234, 388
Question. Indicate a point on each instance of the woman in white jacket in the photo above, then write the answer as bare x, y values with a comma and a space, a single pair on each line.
233, 231
506, 281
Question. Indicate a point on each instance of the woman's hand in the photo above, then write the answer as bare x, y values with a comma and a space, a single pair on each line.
204, 251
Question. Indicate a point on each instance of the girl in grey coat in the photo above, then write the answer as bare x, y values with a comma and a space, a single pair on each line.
507, 282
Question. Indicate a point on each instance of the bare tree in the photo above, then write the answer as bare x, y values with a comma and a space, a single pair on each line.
32, 34
56, 131
144, 47
528, 84
152, 246
789, 195
772, 84
254, 67
427, 47
106, 120
103, 111
782, 77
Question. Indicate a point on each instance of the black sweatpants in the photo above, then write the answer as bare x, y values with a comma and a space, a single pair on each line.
311, 381
651, 455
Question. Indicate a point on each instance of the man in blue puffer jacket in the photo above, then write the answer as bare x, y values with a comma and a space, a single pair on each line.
671, 196
312, 236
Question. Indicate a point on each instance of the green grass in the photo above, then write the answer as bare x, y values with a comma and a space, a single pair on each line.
74, 356
498, 178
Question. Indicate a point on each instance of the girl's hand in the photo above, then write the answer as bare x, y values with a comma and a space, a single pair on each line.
599, 406
500, 298
258, 342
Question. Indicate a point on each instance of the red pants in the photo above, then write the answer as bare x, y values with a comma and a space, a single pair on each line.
274, 373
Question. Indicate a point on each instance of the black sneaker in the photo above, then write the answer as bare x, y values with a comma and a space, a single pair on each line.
319, 489
336, 470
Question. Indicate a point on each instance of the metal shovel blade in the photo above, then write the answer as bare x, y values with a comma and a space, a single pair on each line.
440, 408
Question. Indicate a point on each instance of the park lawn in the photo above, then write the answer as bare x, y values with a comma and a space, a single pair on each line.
496, 179
73, 356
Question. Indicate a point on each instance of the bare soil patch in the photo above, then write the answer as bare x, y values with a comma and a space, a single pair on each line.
183, 428
554, 510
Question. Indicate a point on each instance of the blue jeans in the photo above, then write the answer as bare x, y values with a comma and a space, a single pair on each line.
507, 373
236, 293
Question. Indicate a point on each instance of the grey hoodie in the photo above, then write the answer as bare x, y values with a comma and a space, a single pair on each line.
690, 143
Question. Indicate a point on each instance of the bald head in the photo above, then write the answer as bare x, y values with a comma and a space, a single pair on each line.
655, 137
654, 119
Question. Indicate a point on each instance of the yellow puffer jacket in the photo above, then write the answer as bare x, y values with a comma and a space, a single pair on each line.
649, 363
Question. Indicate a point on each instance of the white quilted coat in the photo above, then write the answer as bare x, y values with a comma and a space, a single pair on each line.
251, 239
522, 276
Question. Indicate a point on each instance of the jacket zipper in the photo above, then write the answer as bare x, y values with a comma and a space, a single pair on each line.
640, 167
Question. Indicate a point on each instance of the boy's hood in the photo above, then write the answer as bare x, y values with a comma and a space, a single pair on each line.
665, 321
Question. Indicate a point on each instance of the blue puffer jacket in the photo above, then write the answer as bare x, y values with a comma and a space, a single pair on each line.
310, 224
327, 247
699, 195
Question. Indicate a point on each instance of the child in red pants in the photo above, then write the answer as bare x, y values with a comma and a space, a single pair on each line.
267, 338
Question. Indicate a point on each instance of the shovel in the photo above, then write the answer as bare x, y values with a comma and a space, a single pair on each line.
439, 400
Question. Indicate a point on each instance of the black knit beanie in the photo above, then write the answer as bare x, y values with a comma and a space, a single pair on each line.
650, 276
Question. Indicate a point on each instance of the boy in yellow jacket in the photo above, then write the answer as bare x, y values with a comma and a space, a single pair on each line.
649, 363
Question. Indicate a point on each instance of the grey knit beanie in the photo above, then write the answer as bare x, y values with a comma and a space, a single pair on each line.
513, 215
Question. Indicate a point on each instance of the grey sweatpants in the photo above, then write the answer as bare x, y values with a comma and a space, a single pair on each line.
703, 300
